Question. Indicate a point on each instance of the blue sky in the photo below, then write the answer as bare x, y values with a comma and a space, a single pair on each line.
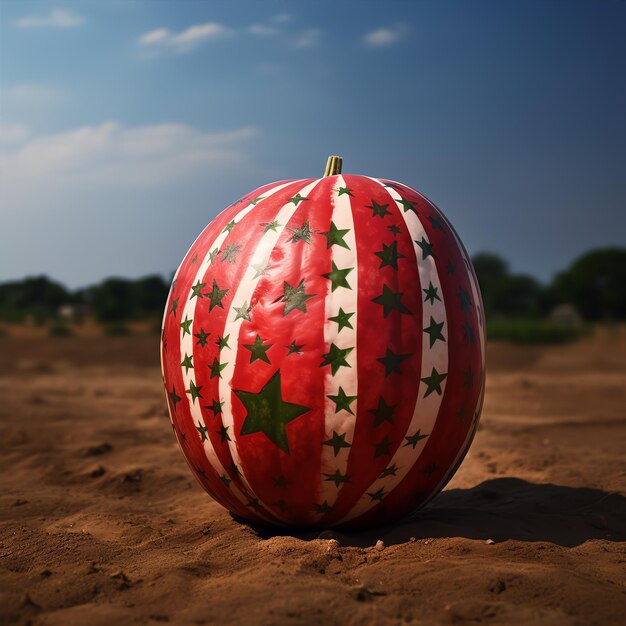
126, 126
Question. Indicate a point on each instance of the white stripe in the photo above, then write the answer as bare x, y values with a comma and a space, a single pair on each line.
187, 344
426, 409
244, 293
481, 332
342, 423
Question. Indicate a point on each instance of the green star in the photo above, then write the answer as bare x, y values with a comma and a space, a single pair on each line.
407, 205
216, 368
257, 200
342, 401
230, 252
391, 300
468, 331
242, 312
294, 348
202, 429
337, 477
213, 255
174, 307
225, 480
222, 342
202, 338
466, 303
174, 398
279, 481
451, 268
185, 326
427, 248
338, 277
254, 503
434, 331
389, 471
258, 350
336, 358
229, 226
194, 391
197, 290
216, 407
334, 236
414, 439
268, 413
383, 447
395, 229
435, 223
282, 505
187, 364
324, 507
297, 199
216, 296
337, 442
389, 255
223, 433
392, 361
261, 268
383, 412
378, 495
431, 293
430, 469
342, 320
270, 226
303, 233
433, 382
344, 190
294, 297
378, 209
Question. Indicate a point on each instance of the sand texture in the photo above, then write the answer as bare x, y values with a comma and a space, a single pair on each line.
102, 523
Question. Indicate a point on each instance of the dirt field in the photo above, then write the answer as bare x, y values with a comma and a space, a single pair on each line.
102, 523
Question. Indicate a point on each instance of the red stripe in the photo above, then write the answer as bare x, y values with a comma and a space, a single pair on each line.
376, 333
455, 415
301, 376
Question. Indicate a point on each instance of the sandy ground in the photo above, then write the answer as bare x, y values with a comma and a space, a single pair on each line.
102, 523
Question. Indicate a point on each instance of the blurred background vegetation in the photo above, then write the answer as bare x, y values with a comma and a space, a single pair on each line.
517, 306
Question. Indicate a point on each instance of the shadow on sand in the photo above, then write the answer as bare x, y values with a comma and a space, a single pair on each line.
499, 509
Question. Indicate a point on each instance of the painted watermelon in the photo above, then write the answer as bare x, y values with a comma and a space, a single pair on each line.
323, 352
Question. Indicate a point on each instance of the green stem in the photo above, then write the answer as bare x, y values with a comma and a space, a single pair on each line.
333, 166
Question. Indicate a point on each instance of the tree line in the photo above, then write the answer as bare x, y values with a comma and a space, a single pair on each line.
595, 284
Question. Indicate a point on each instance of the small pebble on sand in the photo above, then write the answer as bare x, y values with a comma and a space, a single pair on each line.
380, 545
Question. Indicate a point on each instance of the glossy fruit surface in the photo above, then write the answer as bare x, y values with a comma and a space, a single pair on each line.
323, 353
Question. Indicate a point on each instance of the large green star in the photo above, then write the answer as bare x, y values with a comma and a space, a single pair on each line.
338, 277
202, 337
336, 358
174, 397
186, 325
216, 407
378, 209
383, 412
378, 495
389, 471
268, 413
294, 297
466, 303
434, 330
216, 296
342, 401
390, 300
337, 477
342, 319
431, 293
392, 361
216, 368
413, 440
435, 222
297, 199
382, 448
334, 236
229, 226
344, 190
273, 225
294, 348
187, 362
222, 342
407, 205
337, 442
194, 391
202, 429
389, 255
242, 312
303, 233
427, 248
433, 382
197, 290
258, 351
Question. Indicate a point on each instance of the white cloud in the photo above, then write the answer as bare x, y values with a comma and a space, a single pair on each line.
163, 39
13, 133
385, 36
111, 155
57, 18
31, 94
308, 38
281, 18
